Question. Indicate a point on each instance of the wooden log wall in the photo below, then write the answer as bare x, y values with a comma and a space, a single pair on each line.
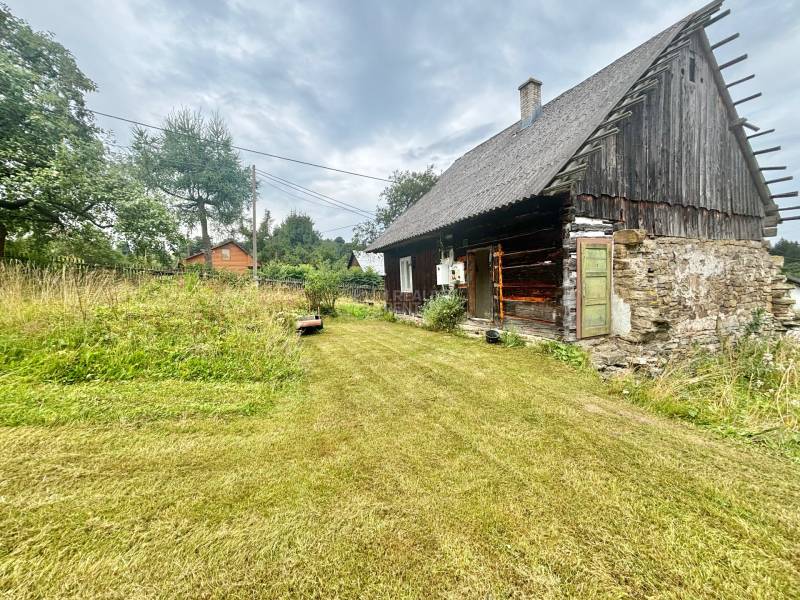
529, 235
677, 150
425, 256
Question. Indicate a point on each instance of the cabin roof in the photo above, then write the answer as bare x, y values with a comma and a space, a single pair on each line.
220, 245
519, 163
367, 260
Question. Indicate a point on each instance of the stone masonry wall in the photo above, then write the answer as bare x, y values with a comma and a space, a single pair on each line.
671, 293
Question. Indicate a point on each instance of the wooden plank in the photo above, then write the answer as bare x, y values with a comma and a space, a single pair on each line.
747, 99
728, 39
719, 17
738, 81
767, 150
735, 61
779, 179
755, 135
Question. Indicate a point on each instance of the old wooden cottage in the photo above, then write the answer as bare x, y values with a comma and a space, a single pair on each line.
631, 210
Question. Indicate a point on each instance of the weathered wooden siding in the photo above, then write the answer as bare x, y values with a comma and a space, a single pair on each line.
425, 257
676, 149
529, 234
663, 219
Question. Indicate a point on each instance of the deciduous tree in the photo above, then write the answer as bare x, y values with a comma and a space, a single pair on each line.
406, 189
193, 163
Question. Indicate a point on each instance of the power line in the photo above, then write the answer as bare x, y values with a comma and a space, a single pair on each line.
313, 199
306, 190
319, 203
320, 199
340, 228
294, 160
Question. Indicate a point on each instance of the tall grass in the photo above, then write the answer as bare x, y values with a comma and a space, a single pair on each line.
67, 327
751, 389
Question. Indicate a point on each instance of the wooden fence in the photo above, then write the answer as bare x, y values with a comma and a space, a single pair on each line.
359, 293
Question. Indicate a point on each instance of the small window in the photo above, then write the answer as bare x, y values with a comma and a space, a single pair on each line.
226, 253
406, 283
692, 68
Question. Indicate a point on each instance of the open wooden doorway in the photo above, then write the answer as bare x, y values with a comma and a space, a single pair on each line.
480, 287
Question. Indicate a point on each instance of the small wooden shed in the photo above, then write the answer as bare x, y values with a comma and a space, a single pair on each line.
226, 256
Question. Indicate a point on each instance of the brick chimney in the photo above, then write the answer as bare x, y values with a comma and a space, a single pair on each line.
530, 100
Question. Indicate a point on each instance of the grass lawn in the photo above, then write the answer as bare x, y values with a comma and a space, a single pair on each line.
408, 464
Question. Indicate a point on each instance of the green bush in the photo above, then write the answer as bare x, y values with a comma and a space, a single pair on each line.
322, 290
510, 338
568, 353
277, 270
444, 312
364, 278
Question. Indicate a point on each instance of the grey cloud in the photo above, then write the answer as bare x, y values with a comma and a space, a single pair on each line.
378, 86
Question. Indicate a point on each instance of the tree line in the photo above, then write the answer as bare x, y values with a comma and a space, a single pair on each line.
66, 190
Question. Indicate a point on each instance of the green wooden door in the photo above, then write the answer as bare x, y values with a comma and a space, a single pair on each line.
595, 287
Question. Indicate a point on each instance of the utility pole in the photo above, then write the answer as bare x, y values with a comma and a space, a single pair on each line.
255, 225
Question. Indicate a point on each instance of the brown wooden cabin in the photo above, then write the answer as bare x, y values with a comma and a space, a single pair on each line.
227, 256
632, 206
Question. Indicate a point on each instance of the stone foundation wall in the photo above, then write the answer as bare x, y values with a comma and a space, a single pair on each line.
670, 293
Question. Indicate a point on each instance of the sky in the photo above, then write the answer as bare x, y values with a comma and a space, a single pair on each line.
378, 86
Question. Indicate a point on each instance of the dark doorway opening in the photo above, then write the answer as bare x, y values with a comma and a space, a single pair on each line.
480, 283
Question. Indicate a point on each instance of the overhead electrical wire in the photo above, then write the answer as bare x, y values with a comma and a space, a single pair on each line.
308, 199
260, 152
340, 228
320, 195
319, 198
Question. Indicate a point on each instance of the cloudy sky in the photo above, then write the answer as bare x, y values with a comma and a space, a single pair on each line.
374, 86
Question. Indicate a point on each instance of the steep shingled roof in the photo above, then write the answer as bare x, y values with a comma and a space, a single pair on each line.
519, 163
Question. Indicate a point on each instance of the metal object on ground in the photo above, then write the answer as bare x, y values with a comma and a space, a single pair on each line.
492, 336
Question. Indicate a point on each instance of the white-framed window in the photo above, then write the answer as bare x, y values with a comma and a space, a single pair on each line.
406, 282
226, 253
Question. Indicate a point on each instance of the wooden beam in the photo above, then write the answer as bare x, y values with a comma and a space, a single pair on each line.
719, 17
767, 150
557, 187
779, 179
771, 231
765, 132
730, 38
770, 221
743, 100
789, 208
789, 219
772, 168
572, 171
604, 134
785, 195
738, 81
735, 61
630, 103
640, 89
743, 122
614, 119
586, 153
